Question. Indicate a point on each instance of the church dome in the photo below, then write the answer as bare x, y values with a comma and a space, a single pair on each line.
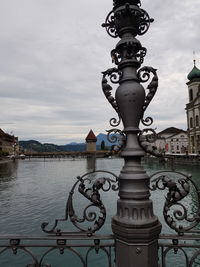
194, 74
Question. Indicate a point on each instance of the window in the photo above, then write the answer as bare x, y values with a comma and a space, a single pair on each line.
191, 123
177, 147
197, 120
191, 94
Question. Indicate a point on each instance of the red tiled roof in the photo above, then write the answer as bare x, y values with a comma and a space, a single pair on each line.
91, 137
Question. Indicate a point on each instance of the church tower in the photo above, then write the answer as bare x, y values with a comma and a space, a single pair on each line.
193, 110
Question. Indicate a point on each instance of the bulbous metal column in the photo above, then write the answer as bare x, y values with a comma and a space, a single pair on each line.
135, 226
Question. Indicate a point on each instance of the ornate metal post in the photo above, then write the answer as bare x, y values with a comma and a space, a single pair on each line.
135, 226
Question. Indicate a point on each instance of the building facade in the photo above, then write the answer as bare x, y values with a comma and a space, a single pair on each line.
172, 141
8, 143
193, 110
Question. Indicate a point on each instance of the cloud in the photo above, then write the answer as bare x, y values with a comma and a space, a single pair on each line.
52, 55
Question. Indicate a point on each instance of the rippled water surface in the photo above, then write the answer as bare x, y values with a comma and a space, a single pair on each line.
34, 191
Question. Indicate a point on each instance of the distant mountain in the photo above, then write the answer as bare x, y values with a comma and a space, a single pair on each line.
103, 137
73, 147
33, 145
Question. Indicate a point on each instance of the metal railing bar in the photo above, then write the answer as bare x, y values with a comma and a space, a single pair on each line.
54, 237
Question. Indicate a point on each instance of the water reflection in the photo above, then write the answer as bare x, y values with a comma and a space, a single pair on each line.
91, 163
8, 171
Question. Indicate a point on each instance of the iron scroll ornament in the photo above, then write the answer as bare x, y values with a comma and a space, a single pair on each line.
144, 76
116, 135
146, 137
110, 25
116, 54
115, 76
137, 15
177, 212
90, 188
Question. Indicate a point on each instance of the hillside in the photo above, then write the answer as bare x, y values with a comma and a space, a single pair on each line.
33, 145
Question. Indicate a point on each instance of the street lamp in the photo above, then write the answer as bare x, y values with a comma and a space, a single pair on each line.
135, 226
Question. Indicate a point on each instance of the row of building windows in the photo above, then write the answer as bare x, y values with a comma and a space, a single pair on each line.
196, 122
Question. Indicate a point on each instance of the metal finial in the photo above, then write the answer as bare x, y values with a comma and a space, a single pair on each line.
194, 60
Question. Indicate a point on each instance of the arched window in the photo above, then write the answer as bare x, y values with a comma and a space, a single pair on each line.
191, 94
197, 120
191, 123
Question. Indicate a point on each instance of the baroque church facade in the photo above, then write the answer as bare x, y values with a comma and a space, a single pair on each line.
193, 110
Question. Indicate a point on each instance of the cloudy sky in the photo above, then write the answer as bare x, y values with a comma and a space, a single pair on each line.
52, 53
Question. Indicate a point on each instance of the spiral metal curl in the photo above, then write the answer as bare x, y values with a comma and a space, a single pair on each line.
145, 22
90, 189
110, 25
147, 121
145, 140
115, 122
116, 135
179, 187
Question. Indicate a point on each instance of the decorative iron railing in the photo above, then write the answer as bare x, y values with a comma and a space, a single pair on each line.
183, 247
36, 250
182, 250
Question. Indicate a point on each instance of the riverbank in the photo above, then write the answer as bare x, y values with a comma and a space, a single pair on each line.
176, 159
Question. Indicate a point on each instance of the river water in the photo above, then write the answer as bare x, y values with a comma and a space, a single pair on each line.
36, 190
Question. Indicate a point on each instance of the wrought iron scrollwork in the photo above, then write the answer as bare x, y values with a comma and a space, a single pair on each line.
178, 213
144, 76
146, 138
110, 25
115, 75
145, 22
69, 245
116, 135
138, 15
115, 122
141, 54
89, 188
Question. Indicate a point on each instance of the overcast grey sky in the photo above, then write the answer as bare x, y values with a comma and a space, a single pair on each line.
52, 53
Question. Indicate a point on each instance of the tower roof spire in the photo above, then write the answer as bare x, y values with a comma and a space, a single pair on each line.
194, 73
